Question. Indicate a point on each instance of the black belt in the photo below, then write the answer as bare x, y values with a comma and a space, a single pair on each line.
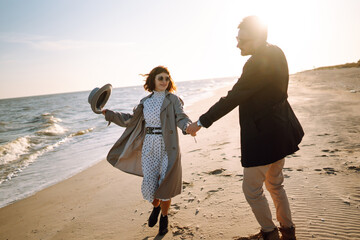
150, 130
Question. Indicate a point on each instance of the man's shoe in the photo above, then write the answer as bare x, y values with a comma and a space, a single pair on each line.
154, 216
287, 233
273, 235
163, 229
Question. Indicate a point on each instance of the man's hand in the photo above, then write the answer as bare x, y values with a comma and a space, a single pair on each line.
192, 129
103, 111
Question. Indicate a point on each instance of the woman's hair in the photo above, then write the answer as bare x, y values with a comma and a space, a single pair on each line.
150, 79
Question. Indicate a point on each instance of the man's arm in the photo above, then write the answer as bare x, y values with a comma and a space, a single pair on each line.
253, 79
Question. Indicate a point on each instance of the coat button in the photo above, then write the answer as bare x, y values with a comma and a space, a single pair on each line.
171, 132
167, 115
173, 148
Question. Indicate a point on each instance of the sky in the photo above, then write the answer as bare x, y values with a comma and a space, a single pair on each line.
61, 46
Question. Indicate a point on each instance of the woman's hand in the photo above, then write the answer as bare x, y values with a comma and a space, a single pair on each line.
104, 111
192, 129
193, 134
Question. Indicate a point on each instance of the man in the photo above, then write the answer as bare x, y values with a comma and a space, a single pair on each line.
269, 128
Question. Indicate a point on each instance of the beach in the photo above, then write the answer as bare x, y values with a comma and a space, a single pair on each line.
322, 179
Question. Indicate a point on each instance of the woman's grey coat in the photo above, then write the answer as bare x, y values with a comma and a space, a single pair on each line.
126, 152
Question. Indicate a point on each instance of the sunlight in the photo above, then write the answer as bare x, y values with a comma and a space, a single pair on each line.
291, 26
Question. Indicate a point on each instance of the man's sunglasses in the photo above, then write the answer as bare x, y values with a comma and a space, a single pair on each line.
243, 41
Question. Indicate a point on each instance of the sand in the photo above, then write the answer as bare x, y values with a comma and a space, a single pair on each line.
322, 180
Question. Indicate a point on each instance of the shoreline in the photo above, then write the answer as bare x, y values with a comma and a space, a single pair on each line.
24, 178
321, 179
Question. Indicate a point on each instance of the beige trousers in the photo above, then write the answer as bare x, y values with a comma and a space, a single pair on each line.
272, 175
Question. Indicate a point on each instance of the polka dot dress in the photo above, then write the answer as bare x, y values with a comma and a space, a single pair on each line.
154, 158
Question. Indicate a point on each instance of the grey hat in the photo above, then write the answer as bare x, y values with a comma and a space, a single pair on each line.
98, 98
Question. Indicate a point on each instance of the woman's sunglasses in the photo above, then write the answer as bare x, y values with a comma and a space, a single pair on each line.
161, 78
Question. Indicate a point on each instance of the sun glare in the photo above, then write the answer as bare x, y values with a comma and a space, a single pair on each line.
290, 25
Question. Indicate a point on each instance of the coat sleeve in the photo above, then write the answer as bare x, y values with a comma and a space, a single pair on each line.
182, 120
252, 80
119, 118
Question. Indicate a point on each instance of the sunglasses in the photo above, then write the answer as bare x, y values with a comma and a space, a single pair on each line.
161, 78
243, 41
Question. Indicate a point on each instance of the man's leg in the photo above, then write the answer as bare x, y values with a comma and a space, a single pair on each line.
273, 182
254, 178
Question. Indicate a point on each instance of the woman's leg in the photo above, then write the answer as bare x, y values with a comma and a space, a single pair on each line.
155, 213
165, 205
163, 228
156, 202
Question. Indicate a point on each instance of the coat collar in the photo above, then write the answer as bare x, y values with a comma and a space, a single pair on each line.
165, 103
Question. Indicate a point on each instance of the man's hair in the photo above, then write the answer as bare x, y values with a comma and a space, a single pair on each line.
150, 79
255, 27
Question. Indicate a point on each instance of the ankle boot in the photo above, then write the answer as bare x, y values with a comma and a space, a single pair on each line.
273, 235
287, 233
154, 216
163, 229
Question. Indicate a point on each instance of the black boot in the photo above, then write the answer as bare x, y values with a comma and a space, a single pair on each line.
163, 229
154, 216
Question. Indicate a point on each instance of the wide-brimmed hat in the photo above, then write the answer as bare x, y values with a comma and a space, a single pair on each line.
98, 97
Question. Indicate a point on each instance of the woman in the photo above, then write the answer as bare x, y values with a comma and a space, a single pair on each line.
149, 146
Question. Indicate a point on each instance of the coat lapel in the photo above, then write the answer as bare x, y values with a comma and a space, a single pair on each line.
166, 102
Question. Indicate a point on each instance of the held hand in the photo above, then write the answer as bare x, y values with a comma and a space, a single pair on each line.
192, 134
103, 111
192, 129
187, 131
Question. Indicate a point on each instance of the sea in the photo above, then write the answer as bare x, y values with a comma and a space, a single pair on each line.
46, 139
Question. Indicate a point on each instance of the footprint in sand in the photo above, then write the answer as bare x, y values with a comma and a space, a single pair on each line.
220, 144
329, 170
240, 175
175, 206
211, 192
219, 172
185, 232
288, 169
322, 135
308, 145
195, 150
354, 168
187, 184
216, 171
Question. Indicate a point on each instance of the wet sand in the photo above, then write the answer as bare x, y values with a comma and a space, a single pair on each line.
322, 180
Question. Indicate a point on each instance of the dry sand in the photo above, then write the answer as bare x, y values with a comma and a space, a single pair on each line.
322, 179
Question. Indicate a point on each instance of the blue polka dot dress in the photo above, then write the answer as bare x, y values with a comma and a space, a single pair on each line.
154, 158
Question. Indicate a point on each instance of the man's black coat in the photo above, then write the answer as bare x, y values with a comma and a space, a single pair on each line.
269, 128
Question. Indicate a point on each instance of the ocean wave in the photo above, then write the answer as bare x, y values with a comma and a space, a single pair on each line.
50, 118
12, 150
52, 130
20, 153
11, 169
81, 132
